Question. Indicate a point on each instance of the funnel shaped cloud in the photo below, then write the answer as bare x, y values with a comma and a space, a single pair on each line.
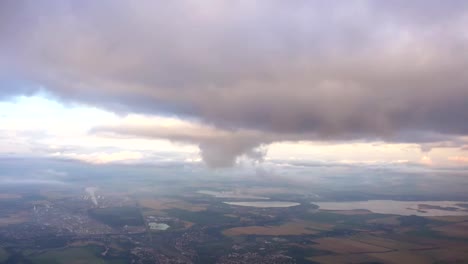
218, 148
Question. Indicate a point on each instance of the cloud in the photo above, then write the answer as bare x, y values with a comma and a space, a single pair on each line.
426, 160
102, 157
304, 70
454, 142
224, 147
218, 148
459, 159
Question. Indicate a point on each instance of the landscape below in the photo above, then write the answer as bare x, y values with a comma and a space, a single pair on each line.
242, 222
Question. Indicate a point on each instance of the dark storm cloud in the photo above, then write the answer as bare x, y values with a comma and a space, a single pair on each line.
320, 69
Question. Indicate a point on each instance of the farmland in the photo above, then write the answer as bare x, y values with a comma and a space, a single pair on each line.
204, 229
289, 228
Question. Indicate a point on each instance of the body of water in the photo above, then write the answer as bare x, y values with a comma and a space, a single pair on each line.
232, 195
264, 204
421, 208
158, 226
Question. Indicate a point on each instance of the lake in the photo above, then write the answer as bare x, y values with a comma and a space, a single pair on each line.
420, 208
232, 195
264, 204
158, 226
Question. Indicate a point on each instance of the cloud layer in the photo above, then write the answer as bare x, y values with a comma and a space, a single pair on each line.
264, 71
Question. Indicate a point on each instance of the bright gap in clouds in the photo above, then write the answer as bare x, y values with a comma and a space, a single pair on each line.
41, 112
41, 126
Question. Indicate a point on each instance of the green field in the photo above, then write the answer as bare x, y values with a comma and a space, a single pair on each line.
70, 255
203, 217
118, 216
78, 255
3, 255
334, 218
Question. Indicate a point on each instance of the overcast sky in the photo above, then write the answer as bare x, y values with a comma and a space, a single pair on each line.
225, 82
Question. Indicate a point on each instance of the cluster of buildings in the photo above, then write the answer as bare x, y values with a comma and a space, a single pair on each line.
253, 257
70, 215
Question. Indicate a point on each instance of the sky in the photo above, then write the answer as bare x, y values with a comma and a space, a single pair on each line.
221, 84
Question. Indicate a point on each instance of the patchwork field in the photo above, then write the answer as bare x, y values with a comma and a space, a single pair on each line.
410, 256
118, 216
454, 230
349, 212
81, 255
290, 228
366, 248
9, 196
347, 246
17, 218
346, 258
204, 230
3, 255
164, 204
391, 220
453, 219
402, 257
456, 254
386, 243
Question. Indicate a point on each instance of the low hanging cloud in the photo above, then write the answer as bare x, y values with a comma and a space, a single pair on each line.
222, 147
218, 148
264, 70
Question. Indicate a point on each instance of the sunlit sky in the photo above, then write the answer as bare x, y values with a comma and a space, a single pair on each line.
235, 82
41, 126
